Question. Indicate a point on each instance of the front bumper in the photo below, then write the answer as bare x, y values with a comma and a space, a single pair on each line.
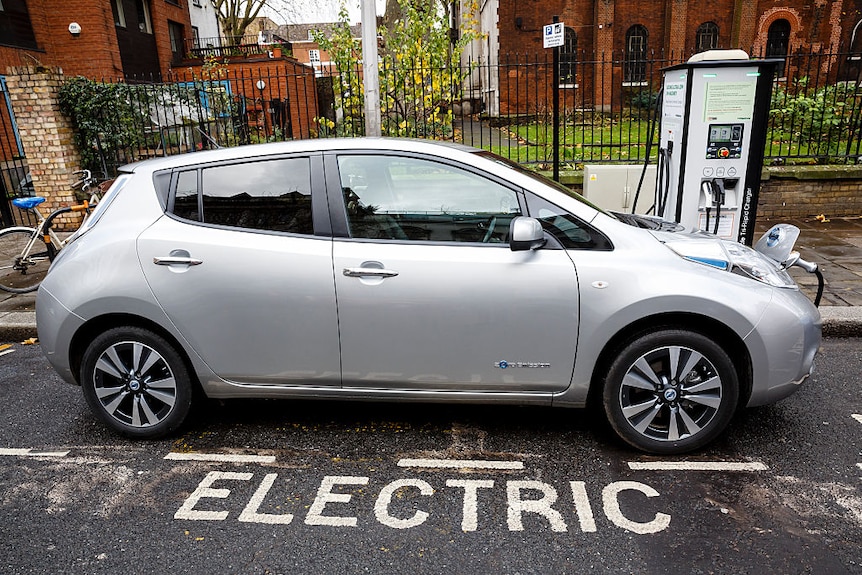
788, 337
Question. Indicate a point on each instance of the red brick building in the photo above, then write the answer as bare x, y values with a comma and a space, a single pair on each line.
94, 38
681, 26
627, 40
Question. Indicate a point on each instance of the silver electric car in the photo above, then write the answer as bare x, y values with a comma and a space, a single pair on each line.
411, 271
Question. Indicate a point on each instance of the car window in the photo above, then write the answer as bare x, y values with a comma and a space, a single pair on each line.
570, 231
186, 198
398, 198
271, 195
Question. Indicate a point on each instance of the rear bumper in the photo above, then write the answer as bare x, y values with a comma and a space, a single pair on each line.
56, 326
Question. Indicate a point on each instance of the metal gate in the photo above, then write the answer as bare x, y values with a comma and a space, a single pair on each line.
14, 173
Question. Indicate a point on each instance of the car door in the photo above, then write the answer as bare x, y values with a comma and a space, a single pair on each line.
430, 296
238, 269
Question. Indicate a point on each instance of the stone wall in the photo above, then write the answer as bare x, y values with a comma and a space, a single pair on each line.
800, 192
47, 137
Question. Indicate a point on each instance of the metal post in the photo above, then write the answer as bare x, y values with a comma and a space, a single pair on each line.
369, 67
555, 86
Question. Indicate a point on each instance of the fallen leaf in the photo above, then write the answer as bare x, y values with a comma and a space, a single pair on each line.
30, 341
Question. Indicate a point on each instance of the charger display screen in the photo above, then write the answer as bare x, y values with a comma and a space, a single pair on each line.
725, 141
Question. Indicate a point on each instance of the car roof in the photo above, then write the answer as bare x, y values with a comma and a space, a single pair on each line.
440, 148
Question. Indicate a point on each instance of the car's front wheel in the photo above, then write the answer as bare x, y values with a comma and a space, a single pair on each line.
136, 382
670, 391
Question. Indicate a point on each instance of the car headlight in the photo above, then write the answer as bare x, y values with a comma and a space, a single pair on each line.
735, 258
749, 262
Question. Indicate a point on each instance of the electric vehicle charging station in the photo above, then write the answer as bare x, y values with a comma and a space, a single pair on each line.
712, 138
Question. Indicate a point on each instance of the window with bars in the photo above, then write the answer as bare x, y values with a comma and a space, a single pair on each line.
636, 53
778, 42
568, 57
706, 37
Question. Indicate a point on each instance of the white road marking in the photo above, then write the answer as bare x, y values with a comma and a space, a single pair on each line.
470, 521
541, 506
32, 453
695, 466
250, 513
220, 457
334, 505
857, 417
611, 503
460, 464
205, 489
381, 508
325, 495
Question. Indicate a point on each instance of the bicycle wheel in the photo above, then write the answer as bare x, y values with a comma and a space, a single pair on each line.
17, 274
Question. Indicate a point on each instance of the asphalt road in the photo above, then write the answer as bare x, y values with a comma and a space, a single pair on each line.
326, 487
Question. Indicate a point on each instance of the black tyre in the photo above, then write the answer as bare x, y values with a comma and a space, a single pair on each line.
136, 382
670, 392
19, 275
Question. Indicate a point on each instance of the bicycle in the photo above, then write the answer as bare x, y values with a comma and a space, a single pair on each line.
23, 261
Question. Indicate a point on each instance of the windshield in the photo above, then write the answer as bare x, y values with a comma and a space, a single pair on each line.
542, 179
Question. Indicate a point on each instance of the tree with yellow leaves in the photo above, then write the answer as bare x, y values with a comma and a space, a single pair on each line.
420, 72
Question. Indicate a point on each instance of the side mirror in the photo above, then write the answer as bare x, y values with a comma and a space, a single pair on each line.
526, 234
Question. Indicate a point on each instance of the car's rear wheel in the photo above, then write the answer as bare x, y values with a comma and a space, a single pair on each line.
136, 382
670, 391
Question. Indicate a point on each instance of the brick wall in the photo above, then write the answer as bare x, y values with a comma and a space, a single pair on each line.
672, 24
46, 136
164, 11
798, 192
93, 53
800, 198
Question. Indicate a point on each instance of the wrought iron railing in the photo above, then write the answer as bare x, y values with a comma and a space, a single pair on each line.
225, 46
506, 107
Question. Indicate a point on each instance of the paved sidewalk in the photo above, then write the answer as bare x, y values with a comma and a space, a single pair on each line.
835, 245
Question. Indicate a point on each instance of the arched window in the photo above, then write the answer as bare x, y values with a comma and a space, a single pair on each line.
856, 38
568, 57
636, 54
778, 42
706, 37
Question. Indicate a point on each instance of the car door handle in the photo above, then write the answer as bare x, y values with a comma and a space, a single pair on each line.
369, 272
174, 260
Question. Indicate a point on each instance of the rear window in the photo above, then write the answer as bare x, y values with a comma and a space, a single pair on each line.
103, 204
270, 195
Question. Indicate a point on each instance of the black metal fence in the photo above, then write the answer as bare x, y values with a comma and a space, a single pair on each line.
607, 108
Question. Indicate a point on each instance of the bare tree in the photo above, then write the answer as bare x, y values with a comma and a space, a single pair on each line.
237, 15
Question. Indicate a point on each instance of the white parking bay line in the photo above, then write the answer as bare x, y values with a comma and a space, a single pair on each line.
695, 466
23, 452
220, 457
460, 464
857, 417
